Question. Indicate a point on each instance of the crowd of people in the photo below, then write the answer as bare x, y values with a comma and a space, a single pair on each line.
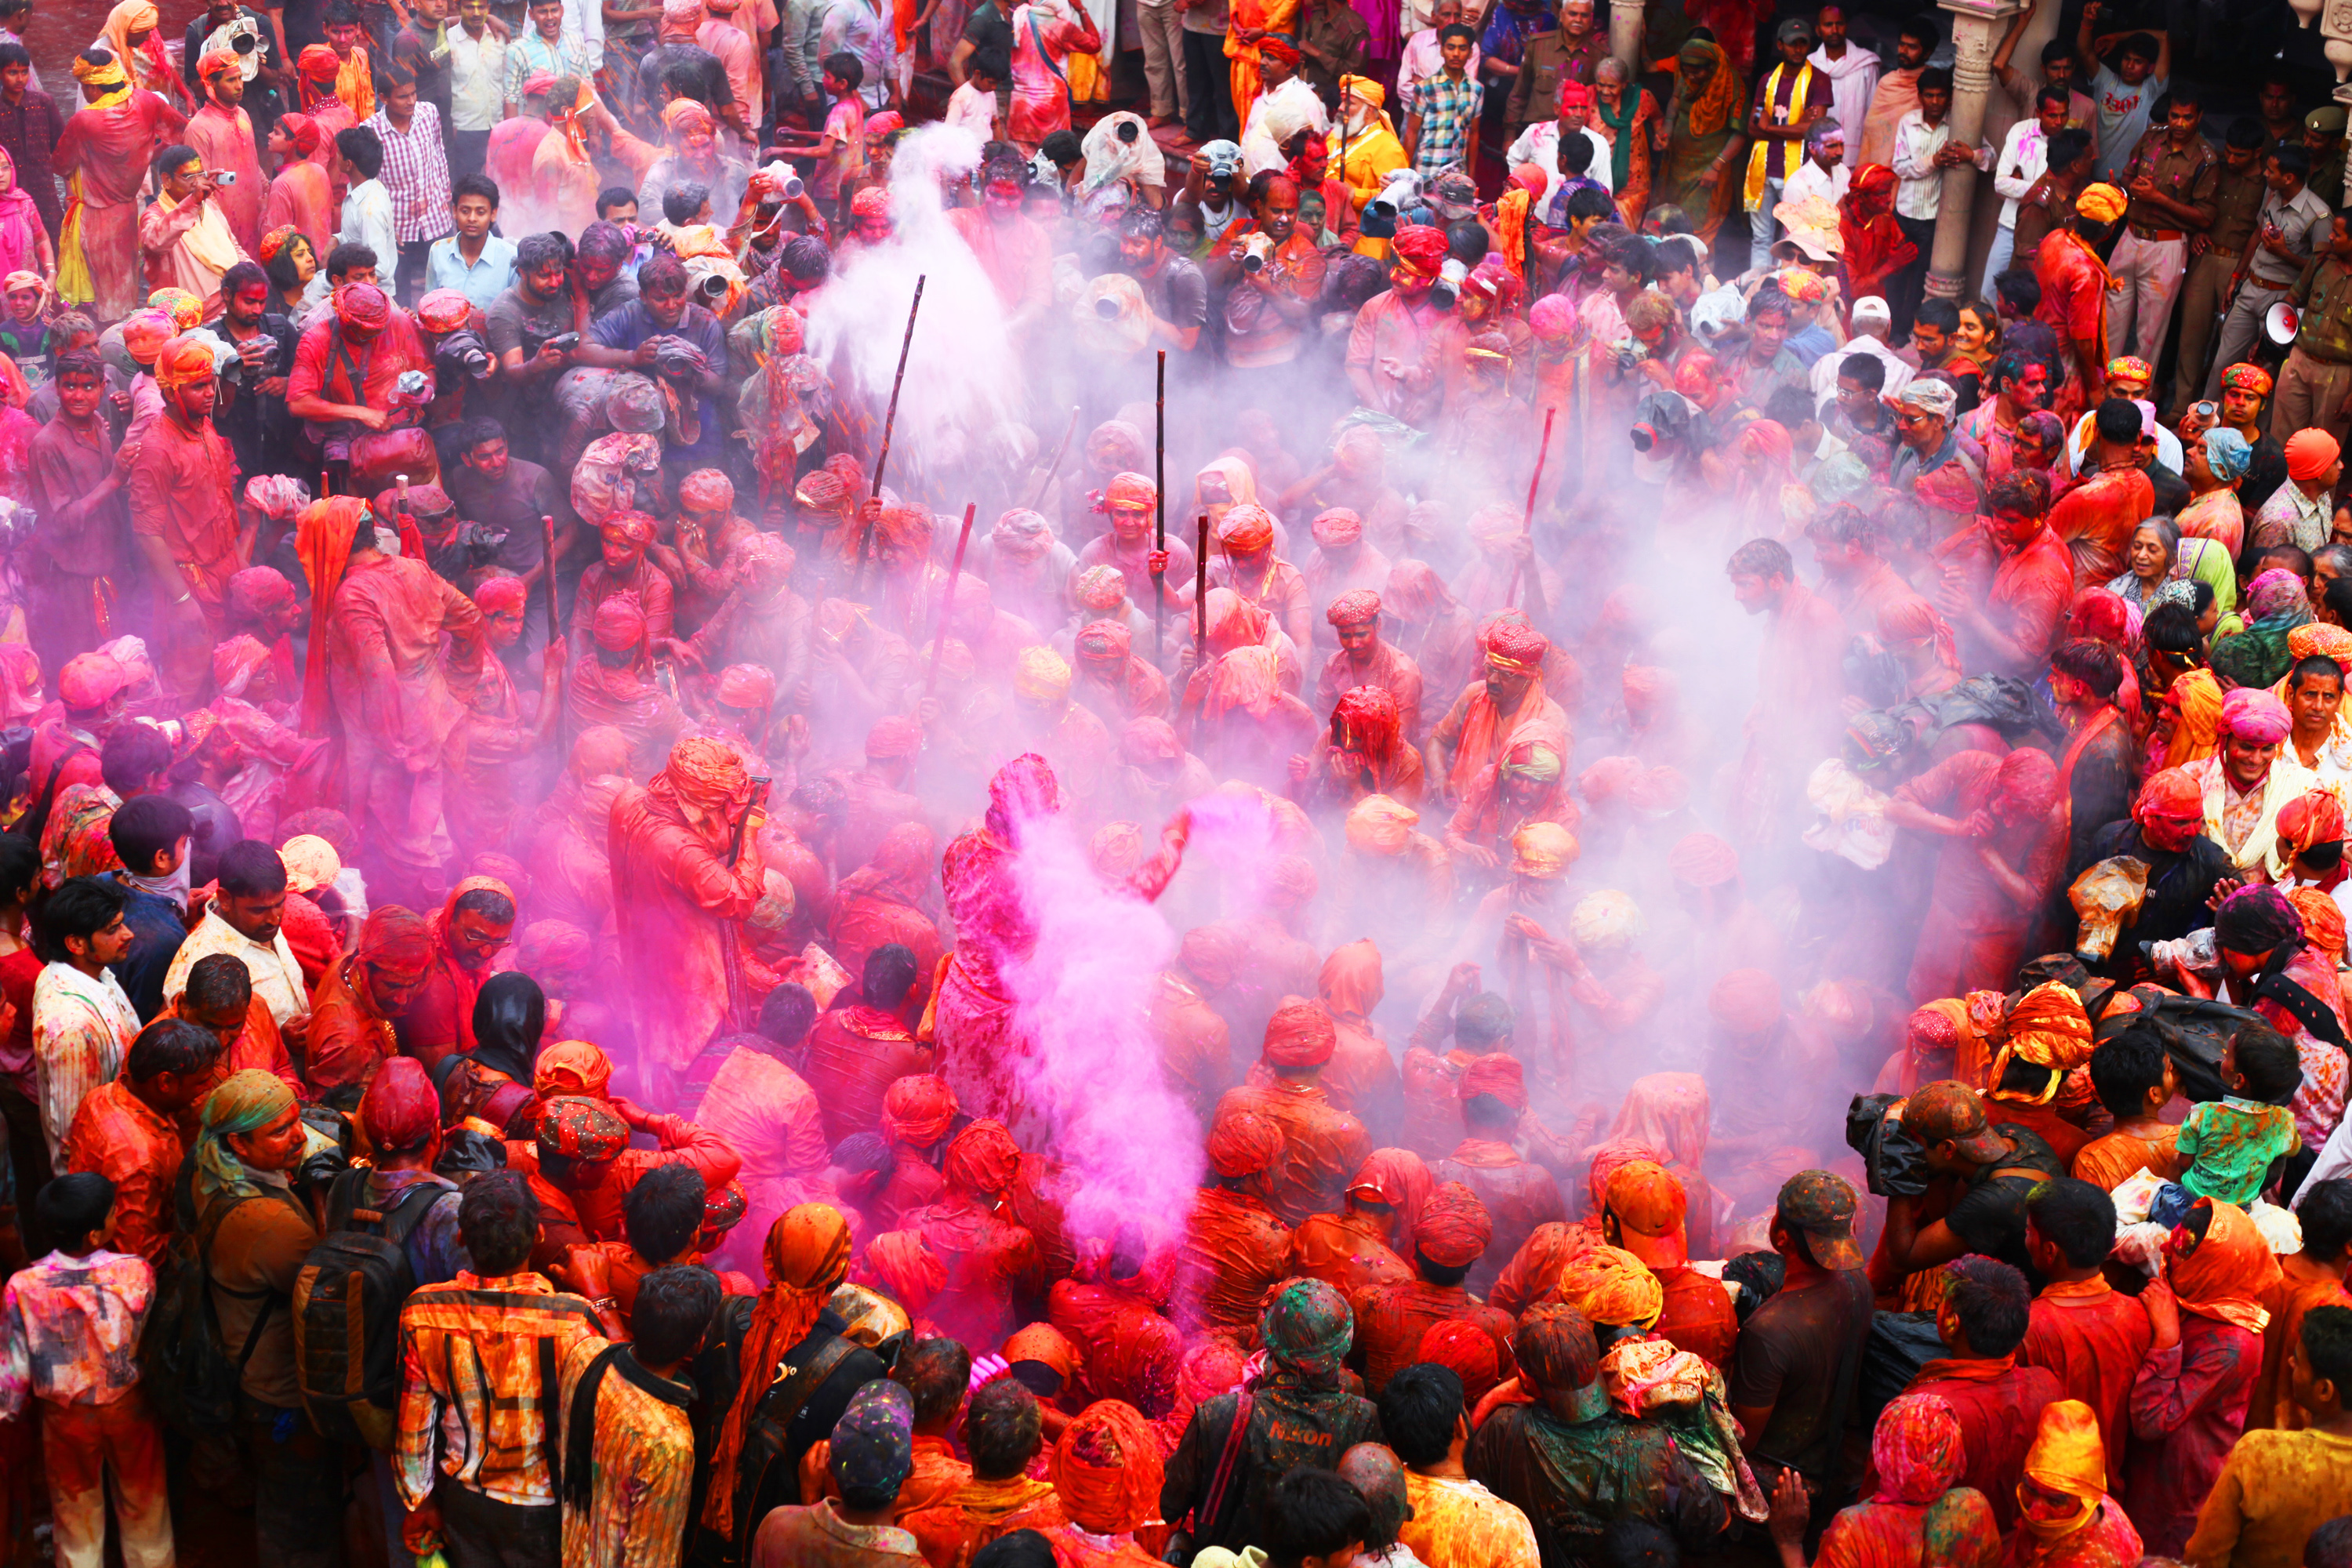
762, 817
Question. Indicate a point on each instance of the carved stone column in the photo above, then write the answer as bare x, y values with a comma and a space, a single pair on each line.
1625, 33
2335, 27
1977, 27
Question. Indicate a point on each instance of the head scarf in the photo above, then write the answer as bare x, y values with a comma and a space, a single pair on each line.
184, 361
2046, 1028
401, 1110
2101, 203
2067, 1456
872, 1450
1916, 1450
982, 1160
1299, 1034
2323, 920
2225, 1274
2195, 702
1608, 1285
1710, 113
2228, 454
2314, 818
395, 939
806, 1255
2254, 716
918, 1110
1380, 826
1107, 1468
110, 76
245, 1102
2310, 453
1308, 1330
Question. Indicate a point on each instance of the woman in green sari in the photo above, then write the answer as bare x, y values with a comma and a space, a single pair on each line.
1700, 138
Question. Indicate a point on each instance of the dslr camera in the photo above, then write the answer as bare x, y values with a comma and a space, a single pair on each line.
1256, 251
463, 352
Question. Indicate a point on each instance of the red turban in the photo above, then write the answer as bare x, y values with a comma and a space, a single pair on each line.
1454, 1227
495, 596
918, 1110
182, 361
1514, 645
982, 1160
634, 528
1466, 1351
619, 625
304, 132
1210, 953
90, 681
1337, 525
1356, 607
444, 310
1299, 1034
703, 773
1746, 1001
401, 1110
706, 490
318, 62
1107, 1470
2309, 819
2173, 793
1422, 245
1130, 492
1243, 1143
896, 736
2025, 785
746, 685
395, 939
1703, 860
1275, 46
1498, 1074
362, 305
1105, 642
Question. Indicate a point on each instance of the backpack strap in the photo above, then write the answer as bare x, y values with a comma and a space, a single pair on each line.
2308, 1010
1222, 1482
550, 1394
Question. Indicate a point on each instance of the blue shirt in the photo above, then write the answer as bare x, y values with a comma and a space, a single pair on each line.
483, 281
157, 930
631, 325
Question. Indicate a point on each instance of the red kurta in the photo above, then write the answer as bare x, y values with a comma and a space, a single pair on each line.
855, 1055
1323, 1147
111, 150
1998, 1404
2094, 1337
674, 897
1234, 1250
1518, 1196
1393, 1318
224, 139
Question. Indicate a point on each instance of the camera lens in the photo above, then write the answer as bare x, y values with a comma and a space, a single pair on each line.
1106, 308
714, 287
1126, 131
243, 42
1644, 438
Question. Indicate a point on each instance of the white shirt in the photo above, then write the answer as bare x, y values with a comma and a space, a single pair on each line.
367, 220
972, 109
2024, 157
1825, 369
82, 1028
478, 80
1539, 145
276, 977
1853, 76
1811, 180
1919, 194
585, 20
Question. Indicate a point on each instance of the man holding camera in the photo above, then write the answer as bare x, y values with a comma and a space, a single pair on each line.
185, 240
665, 333
253, 403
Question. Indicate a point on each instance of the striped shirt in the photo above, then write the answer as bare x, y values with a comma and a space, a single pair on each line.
473, 1394
416, 172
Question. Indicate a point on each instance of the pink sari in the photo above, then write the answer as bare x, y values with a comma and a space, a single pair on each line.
20, 223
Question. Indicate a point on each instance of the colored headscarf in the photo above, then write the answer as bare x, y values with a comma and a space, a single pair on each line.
1712, 110
806, 1255
2228, 454
1454, 1227
2223, 1275
572, 1067
2046, 1028
918, 1110
1916, 1450
245, 1102
1608, 1285
982, 1160
2067, 1456
401, 1110
2255, 717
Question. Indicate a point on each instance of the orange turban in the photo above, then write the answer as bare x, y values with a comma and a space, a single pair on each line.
1378, 825
571, 1067
1246, 529
918, 1110
2047, 1028
395, 939
807, 1254
704, 773
1107, 1470
2323, 920
2223, 1275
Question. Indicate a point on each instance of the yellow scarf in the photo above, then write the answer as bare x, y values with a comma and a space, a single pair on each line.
1753, 193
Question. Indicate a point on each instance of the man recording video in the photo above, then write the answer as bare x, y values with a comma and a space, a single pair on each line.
185, 240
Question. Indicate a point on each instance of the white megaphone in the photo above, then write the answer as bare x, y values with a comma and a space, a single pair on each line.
2280, 323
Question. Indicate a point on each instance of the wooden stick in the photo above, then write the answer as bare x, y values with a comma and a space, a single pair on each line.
1159, 517
547, 532
947, 605
1201, 597
1059, 453
1528, 521
890, 422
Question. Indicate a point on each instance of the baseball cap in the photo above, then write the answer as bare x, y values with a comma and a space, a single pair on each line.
1951, 1110
1821, 1205
1649, 1204
1871, 306
1794, 28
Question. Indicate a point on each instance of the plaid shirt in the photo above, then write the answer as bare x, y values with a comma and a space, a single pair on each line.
69, 1329
1449, 119
471, 1395
528, 54
416, 172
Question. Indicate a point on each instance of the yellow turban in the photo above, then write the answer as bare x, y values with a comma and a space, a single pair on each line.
1040, 675
2101, 203
1608, 1285
2067, 1458
1381, 826
1544, 851
1365, 90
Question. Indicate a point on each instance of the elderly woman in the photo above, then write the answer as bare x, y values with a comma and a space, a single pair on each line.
1700, 137
2215, 467
1627, 117
2148, 563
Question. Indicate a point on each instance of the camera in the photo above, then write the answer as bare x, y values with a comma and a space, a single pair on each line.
1631, 352
712, 288
463, 352
480, 543
1126, 131
1106, 308
1223, 158
1448, 287
221, 176
1255, 250
563, 342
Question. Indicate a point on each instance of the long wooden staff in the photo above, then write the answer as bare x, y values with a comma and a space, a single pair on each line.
890, 422
947, 605
1159, 518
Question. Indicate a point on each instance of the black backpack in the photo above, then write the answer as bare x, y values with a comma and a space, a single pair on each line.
347, 1302
184, 1367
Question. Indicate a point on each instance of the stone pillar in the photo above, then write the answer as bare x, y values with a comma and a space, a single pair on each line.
1625, 33
2335, 28
1977, 27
